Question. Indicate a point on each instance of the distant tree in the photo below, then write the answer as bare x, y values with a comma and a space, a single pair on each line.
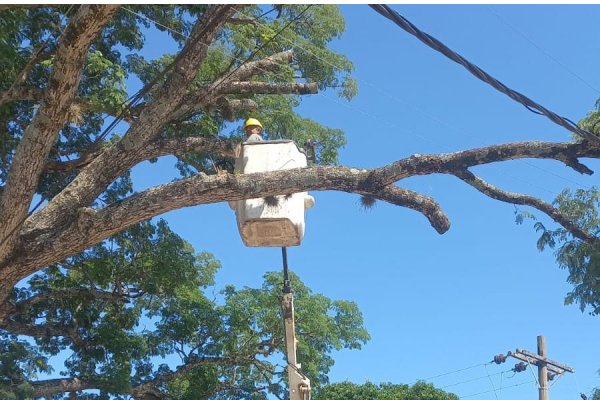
385, 391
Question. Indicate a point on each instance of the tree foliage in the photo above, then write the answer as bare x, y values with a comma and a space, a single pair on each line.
580, 258
120, 307
385, 391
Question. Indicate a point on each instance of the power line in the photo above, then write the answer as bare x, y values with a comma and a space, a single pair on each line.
492, 382
541, 49
474, 379
490, 391
456, 371
435, 44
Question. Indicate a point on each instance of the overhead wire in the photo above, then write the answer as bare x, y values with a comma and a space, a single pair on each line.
435, 44
490, 391
456, 371
541, 49
492, 382
474, 379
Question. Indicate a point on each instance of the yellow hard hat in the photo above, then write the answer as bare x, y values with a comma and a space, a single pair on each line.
252, 122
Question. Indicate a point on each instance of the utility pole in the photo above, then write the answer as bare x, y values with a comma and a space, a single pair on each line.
542, 369
546, 367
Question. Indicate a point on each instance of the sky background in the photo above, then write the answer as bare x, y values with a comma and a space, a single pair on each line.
432, 303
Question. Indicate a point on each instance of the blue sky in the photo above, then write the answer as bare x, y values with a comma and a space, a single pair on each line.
439, 303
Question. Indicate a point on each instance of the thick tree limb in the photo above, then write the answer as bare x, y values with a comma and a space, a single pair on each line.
252, 68
268, 88
516, 198
91, 226
43, 241
40, 135
43, 331
62, 385
203, 99
231, 108
54, 386
104, 169
425, 164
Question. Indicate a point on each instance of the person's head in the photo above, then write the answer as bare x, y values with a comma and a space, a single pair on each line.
253, 126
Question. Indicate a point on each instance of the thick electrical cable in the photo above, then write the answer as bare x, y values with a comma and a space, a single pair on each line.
435, 44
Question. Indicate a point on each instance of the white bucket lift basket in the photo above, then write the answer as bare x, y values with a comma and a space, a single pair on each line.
279, 222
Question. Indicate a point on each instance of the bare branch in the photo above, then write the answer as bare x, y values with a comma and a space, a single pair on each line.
230, 108
425, 164
104, 169
43, 241
268, 88
40, 135
252, 68
516, 198
62, 385
243, 21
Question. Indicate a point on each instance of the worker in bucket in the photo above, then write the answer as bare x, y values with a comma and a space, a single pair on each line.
254, 130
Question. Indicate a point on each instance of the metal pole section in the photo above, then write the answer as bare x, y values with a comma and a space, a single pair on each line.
287, 288
542, 369
298, 383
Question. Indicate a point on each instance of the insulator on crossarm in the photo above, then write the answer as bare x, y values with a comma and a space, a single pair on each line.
520, 367
550, 376
499, 359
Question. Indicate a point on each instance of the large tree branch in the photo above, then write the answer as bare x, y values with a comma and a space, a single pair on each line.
43, 331
209, 97
91, 225
41, 133
54, 386
104, 169
517, 198
63, 385
425, 164
267, 64
268, 88
43, 242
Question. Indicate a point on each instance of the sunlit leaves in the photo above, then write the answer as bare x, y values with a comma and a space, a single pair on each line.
581, 259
